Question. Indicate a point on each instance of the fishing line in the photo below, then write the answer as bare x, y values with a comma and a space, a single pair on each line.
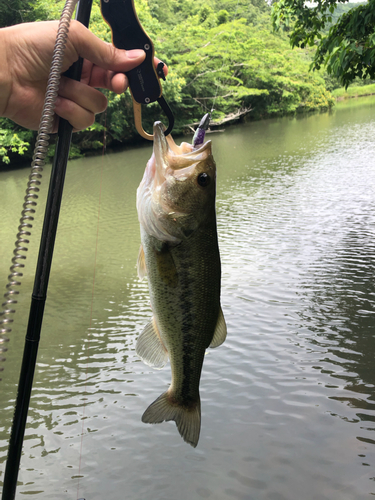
92, 295
223, 65
220, 71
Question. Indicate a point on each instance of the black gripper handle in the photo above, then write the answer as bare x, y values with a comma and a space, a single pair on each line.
128, 34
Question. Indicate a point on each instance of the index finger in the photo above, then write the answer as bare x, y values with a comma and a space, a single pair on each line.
101, 53
104, 79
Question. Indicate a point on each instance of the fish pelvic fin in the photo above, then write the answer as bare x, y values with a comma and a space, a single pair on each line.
188, 419
150, 347
220, 331
141, 263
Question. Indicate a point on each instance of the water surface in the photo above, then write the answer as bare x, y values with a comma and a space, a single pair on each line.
288, 402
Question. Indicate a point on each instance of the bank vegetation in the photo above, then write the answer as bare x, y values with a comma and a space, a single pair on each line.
222, 54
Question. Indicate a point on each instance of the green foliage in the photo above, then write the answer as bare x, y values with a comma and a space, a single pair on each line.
221, 54
14, 140
222, 16
23, 11
239, 66
354, 91
347, 49
211, 60
284, 74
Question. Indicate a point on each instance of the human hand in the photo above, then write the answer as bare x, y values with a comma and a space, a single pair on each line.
25, 62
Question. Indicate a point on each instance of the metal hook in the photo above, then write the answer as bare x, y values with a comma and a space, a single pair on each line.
137, 110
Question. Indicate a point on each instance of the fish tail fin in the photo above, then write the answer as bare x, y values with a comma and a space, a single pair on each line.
188, 420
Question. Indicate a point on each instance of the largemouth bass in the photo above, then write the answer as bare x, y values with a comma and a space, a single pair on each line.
180, 255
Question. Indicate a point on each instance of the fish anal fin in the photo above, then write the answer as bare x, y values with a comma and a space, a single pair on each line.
188, 420
220, 331
150, 347
141, 263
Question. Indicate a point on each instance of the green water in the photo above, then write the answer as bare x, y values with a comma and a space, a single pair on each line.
288, 402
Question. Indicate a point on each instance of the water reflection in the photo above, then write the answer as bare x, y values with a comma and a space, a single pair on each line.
343, 309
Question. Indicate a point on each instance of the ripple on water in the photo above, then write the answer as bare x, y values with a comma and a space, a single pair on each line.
288, 402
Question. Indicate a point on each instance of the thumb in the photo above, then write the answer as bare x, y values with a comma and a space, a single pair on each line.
103, 54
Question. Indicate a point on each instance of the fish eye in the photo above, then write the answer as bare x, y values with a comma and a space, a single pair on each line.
203, 179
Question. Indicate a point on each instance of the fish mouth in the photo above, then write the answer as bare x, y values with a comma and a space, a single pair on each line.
167, 161
169, 157
160, 152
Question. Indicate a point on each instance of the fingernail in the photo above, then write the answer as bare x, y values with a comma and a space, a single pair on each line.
135, 53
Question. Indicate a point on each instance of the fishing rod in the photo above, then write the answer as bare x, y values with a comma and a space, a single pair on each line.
46, 248
127, 33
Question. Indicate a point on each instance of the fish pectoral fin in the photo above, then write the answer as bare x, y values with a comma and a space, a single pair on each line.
188, 419
166, 266
220, 331
150, 347
141, 263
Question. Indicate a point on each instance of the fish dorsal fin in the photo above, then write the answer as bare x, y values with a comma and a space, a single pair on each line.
141, 263
220, 331
150, 347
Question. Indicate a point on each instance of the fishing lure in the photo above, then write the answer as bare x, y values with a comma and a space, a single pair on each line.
144, 80
200, 133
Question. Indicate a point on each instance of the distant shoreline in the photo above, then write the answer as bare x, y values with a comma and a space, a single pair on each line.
359, 91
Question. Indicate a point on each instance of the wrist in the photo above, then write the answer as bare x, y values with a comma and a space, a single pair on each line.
5, 76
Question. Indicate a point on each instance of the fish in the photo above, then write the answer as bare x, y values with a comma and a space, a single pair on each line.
179, 254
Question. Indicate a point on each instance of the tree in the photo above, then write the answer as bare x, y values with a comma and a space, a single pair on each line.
221, 54
23, 11
347, 49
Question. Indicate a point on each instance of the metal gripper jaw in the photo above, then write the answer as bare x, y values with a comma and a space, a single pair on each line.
144, 83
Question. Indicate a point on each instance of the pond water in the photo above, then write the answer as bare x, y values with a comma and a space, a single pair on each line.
288, 401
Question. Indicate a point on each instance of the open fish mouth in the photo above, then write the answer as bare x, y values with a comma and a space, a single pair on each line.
169, 157
168, 164
160, 153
